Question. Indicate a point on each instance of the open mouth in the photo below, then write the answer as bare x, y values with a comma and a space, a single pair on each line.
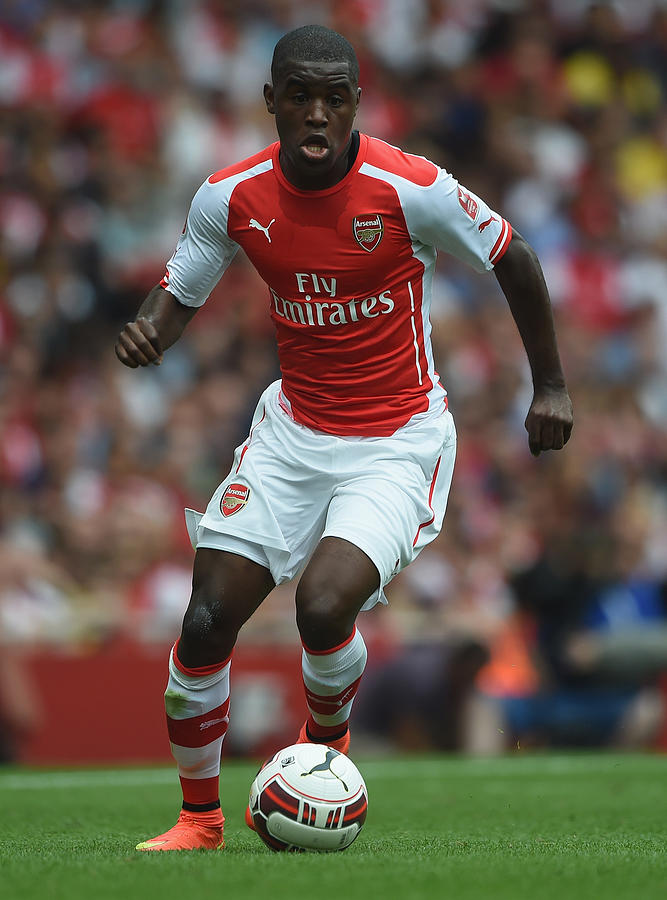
315, 147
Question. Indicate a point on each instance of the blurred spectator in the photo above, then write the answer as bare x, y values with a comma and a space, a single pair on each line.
600, 640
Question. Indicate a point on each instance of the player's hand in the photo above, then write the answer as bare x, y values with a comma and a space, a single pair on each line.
549, 420
139, 344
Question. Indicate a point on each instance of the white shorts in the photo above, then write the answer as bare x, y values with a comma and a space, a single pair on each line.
291, 486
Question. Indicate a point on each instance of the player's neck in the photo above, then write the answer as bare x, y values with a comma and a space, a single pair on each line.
309, 181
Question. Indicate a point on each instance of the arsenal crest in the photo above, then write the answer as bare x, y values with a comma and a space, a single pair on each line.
368, 230
234, 499
468, 203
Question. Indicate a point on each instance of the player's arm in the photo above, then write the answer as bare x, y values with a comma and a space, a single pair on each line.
549, 419
203, 253
159, 323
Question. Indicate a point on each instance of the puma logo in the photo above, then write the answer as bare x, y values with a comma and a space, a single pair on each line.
487, 222
253, 223
314, 698
326, 766
204, 725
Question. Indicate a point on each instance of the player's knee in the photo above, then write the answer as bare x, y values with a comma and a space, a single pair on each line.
209, 619
323, 616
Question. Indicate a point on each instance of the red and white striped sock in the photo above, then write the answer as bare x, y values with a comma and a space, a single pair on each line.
331, 678
197, 706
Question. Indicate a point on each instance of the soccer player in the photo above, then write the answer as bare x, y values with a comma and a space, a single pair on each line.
348, 463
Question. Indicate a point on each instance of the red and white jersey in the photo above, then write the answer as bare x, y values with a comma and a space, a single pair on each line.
349, 271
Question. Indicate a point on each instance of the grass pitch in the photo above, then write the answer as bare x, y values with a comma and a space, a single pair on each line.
538, 827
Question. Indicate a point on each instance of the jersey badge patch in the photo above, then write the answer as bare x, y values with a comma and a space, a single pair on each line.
368, 230
468, 203
234, 498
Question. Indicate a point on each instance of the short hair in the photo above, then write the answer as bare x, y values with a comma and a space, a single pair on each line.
314, 43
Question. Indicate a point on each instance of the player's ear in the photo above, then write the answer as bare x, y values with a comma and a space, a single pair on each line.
358, 100
269, 99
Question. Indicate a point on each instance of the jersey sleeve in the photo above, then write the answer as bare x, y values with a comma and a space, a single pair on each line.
204, 249
451, 218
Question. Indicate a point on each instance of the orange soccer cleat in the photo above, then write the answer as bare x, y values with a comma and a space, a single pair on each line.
248, 819
189, 833
342, 744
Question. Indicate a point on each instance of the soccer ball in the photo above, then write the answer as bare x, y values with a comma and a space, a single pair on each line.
308, 797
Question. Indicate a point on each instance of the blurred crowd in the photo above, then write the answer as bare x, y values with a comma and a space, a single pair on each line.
541, 609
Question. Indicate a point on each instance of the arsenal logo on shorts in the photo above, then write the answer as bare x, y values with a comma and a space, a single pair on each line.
234, 499
468, 203
368, 230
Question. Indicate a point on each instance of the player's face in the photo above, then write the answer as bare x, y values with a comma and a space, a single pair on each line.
314, 104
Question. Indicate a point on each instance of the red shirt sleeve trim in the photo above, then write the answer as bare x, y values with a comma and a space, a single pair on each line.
503, 242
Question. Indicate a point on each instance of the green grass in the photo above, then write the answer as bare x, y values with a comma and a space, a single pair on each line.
542, 827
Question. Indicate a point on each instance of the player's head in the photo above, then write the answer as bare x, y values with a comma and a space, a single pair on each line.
314, 97
314, 43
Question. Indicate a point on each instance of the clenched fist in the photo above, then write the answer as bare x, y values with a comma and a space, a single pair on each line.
139, 344
549, 420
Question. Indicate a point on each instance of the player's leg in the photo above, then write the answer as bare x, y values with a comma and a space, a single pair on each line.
389, 502
226, 590
337, 582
